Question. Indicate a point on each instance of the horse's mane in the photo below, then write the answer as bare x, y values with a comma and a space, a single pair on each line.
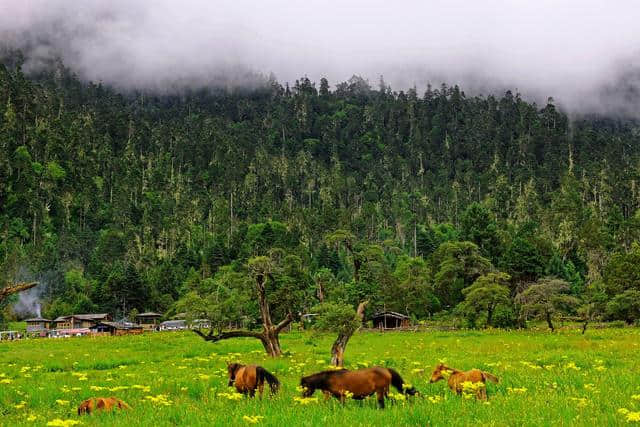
234, 367
319, 379
447, 368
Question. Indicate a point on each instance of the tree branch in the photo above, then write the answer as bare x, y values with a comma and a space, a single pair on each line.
280, 326
361, 307
15, 288
228, 334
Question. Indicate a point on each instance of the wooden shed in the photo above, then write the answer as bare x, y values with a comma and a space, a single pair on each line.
390, 320
149, 321
115, 328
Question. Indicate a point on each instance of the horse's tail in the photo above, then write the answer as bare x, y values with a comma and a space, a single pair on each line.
264, 375
398, 383
490, 377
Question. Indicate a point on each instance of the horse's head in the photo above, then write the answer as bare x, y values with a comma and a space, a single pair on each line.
232, 368
307, 387
436, 375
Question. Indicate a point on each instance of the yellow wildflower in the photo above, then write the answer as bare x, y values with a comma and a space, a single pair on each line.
305, 400
160, 399
231, 396
252, 419
635, 397
32, 418
62, 402
397, 396
633, 417
581, 402
516, 390
435, 399
5, 381
63, 423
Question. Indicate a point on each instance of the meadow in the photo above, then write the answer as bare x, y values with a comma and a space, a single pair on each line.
178, 379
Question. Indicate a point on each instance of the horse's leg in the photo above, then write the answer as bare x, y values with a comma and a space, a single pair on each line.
252, 392
380, 395
342, 398
327, 395
482, 393
260, 389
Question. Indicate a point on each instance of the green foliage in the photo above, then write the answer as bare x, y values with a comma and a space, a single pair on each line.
485, 294
335, 317
625, 306
456, 266
478, 226
546, 298
149, 197
622, 273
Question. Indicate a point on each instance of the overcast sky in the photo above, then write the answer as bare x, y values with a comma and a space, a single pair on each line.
571, 50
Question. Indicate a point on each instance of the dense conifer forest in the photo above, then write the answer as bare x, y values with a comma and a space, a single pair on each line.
490, 207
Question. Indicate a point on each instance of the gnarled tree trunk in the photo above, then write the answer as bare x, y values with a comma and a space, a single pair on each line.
15, 288
549, 323
340, 344
269, 337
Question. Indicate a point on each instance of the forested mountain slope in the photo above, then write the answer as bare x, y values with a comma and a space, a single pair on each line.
130, 201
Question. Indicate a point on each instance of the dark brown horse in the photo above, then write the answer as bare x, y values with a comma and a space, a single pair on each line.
248, 378
356, 384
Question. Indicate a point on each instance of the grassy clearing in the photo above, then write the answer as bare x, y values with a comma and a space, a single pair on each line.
175, 378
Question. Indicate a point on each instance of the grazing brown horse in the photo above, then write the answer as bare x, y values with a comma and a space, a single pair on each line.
101, 404
251, 377
457, 378
357, 384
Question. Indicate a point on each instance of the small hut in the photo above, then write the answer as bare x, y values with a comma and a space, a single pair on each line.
37, 325
149, 321
390, 320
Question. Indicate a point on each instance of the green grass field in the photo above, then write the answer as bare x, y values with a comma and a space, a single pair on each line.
178, 379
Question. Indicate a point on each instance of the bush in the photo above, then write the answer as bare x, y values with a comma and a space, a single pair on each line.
504, 317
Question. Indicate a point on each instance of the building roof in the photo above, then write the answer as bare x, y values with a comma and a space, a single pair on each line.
390, 314
149, 314
91, 316
37, 319
98, 316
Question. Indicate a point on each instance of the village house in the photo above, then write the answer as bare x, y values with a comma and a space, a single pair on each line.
79, 321
149, 321
38, 325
